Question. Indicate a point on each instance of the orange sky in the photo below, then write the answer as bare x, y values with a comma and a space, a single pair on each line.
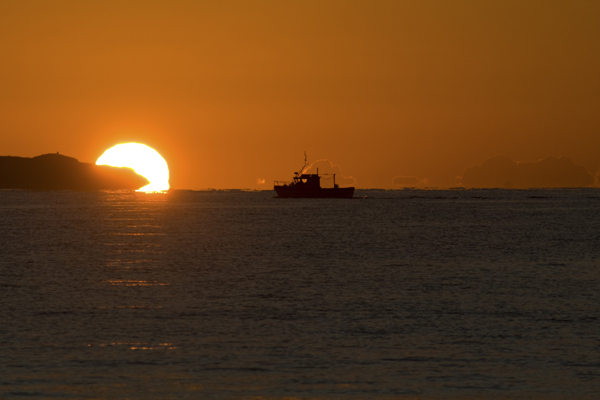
230, 92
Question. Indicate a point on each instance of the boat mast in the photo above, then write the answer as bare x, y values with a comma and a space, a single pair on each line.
304, 166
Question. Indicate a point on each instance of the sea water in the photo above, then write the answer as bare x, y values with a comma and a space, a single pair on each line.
233, 294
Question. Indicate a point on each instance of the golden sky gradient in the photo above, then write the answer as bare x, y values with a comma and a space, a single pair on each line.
233, 92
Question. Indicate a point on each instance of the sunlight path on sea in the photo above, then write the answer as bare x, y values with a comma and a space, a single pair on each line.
133, 242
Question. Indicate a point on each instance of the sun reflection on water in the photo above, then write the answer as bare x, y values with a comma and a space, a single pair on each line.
132, 282
137, 345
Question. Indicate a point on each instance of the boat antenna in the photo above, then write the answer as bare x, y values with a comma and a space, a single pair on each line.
304, 166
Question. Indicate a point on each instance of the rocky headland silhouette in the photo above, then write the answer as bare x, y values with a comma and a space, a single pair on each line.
59, 172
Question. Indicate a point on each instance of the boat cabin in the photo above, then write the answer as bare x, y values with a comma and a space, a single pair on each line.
308, 180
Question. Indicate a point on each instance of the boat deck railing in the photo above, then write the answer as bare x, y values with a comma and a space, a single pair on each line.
282, 183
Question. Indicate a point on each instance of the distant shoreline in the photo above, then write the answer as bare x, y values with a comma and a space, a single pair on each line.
59, 172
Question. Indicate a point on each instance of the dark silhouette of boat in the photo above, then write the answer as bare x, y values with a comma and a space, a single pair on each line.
309, 186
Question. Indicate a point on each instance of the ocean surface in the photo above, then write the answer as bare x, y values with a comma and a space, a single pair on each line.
230, 294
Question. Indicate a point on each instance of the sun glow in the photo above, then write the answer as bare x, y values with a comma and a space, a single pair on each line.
143, 160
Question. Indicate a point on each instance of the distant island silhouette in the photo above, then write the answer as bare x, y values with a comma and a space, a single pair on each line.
59, 172
550, 172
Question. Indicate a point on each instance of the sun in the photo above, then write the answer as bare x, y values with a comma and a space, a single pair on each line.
143, 159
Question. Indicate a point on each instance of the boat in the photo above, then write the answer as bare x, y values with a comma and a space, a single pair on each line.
308, 186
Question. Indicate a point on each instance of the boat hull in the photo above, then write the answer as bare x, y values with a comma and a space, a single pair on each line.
291, 192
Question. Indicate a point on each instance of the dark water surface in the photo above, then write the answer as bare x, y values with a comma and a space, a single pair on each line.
403, 294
